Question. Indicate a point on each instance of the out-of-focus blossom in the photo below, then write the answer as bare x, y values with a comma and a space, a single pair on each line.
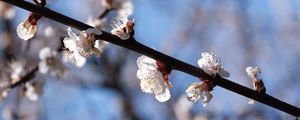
16, 68
126, 8
49, 31
122, 27
151, 79
82, 46
258, 84
26, 30
211, 64
6, 11
120, 5
196, 92
4, 93
31, 92
50, 63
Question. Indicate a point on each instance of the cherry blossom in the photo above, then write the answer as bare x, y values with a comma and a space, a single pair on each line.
211, 64
122, 27
196, 92
151, 79
82, 46
258, 84
16, 69
26, 30
50, 63
31, 91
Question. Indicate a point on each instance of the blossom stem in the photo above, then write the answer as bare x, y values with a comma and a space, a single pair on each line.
174, 63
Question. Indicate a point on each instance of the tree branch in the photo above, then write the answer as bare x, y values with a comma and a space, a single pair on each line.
132, 44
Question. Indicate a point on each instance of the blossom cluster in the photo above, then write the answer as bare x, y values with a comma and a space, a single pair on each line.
210, 64
153, 80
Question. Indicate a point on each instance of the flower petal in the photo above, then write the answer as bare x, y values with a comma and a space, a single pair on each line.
146, 62
207, 96
70, 44
25, 30
79, 60
45, 53
72, 34
43, 67
164, 96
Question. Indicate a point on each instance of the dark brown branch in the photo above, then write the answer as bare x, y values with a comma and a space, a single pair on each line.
176, 64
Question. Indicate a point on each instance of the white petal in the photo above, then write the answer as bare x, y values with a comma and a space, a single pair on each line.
72, 34
206, 98
194, 92
100, 44
79, 60
163, 97
252, 71
146, 62
251, 101
70, 44
122, 35
30, 92
25, 30
45, 53
150, 81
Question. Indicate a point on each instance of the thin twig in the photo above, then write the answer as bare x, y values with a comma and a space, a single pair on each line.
25, 78
176, 64
106, 11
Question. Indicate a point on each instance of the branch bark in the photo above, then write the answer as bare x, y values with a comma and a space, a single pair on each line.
132, 44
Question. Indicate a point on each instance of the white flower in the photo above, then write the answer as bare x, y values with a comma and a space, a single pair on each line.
211, 64
30, 92
17, 68
196, 92
257, 83
253, 71
82, 46
122, 27
151, 79
50, 63
26, 30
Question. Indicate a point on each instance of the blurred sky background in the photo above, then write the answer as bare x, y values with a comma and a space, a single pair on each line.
241, 32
